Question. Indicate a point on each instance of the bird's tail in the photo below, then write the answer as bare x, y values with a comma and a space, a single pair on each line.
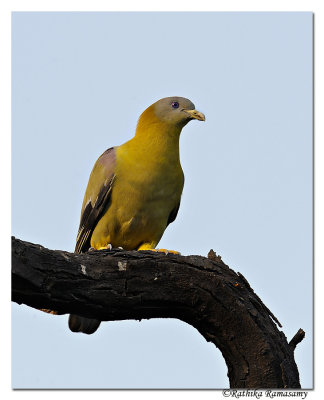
83, 324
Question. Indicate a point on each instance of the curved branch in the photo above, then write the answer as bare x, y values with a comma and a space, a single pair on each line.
204, 292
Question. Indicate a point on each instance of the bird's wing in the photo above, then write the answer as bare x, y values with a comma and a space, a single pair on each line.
96, 198
173, 214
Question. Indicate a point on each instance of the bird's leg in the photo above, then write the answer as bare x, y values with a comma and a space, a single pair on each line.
108, 247
151, 247
166, 251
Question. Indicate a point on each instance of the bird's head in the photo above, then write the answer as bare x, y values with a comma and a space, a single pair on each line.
171, 111
176, 110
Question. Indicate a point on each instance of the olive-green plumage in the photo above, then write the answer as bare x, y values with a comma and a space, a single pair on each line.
134, 190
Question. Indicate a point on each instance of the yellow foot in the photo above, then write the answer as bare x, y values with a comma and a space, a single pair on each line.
174, 252
108, 247
165, 251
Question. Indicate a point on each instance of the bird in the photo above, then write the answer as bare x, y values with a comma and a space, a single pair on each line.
134, 189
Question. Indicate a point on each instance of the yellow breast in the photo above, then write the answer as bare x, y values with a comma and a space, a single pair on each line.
147, 187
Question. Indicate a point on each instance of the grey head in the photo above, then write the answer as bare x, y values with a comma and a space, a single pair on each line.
176, 110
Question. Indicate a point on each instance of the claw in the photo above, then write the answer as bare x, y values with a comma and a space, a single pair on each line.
108, 247
165, 251
174, 252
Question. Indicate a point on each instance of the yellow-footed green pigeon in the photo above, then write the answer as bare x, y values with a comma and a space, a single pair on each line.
134, 190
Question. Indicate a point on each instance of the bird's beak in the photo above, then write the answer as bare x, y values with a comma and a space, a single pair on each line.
195, 114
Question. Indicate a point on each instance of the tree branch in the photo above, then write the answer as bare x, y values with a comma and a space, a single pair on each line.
204, 292
297, 338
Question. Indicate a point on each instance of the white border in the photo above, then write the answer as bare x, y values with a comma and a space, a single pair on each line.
166, 5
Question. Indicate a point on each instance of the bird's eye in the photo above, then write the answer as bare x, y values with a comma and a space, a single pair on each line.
175, 104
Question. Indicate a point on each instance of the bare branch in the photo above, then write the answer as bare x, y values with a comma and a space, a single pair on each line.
204, 292
297, 338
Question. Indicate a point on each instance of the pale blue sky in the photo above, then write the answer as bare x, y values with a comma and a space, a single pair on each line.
80, 82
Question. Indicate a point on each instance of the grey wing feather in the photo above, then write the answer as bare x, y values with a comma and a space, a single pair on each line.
173, 214
101, 192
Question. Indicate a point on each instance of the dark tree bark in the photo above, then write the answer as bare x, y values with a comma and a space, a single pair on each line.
204, 292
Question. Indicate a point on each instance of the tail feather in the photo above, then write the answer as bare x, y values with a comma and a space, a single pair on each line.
83, 324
